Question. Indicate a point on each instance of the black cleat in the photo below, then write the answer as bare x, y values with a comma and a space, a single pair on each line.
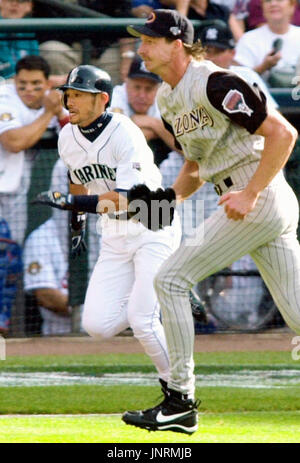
174, 413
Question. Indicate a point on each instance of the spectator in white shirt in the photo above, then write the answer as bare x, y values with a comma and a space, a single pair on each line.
257, 48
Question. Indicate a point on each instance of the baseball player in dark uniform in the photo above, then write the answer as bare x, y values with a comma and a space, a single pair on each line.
229, 138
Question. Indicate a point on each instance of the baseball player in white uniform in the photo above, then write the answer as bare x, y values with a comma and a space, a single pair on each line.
229, 139
27, 109
46, 262
106, 154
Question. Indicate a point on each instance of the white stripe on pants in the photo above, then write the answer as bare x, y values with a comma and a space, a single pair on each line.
268, 234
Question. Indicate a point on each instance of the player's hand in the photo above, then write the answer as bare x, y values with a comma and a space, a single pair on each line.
237, 204
55, 199
78, 227
52, 102
270, 60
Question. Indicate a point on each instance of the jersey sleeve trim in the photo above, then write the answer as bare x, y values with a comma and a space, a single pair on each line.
242, 103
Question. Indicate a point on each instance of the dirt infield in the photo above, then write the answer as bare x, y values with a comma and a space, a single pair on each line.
275, 341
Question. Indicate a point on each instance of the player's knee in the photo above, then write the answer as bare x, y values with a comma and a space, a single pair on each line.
89, 327
95, 329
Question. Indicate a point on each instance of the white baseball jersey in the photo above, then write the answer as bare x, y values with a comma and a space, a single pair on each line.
15, 114
46, 266
120, 102
118, 159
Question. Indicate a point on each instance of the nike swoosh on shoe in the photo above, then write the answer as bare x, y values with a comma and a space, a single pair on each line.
160, 418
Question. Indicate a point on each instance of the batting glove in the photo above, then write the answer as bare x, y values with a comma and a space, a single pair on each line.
55, 199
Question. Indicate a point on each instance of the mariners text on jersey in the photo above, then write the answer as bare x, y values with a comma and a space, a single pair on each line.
95, 171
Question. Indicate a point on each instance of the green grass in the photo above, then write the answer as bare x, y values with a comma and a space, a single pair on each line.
78, 362
227, 414
116, 399
213, 428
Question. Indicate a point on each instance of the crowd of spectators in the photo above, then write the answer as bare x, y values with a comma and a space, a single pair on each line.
257, 39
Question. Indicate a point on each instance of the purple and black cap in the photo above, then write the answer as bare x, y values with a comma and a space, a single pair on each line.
165, 23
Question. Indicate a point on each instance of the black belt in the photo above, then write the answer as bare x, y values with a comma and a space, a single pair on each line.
218, 187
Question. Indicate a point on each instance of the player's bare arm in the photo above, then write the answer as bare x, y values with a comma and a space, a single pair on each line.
108, 203
16, 140
111, 202
53, 299
19, 139
280, 137
76, 189
188, 181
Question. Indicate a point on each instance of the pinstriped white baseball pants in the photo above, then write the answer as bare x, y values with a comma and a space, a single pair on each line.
268, 234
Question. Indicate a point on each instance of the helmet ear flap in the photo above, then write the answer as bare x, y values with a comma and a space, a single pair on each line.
64, 100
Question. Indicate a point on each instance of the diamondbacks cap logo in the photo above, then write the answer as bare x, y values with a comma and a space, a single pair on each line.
151, 18
234, 102
175, 31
